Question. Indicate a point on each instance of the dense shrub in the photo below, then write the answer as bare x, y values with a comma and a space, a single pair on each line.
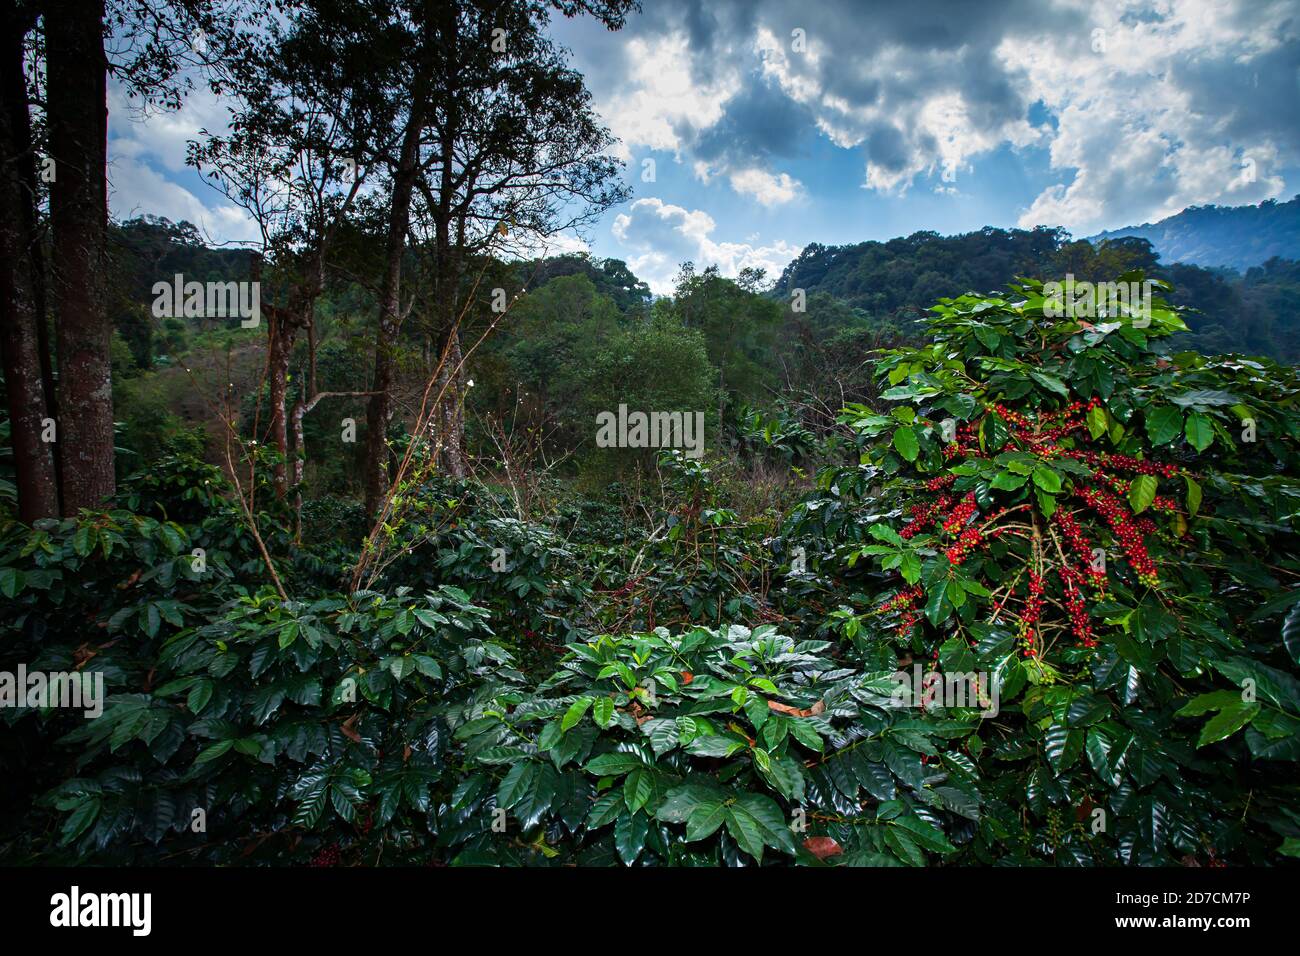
717, 746
236, 723
1107, 531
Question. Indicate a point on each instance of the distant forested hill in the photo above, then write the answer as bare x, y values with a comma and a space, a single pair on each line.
858, 297
1234, 236
152, 249
906, 275
610, 277
895, 281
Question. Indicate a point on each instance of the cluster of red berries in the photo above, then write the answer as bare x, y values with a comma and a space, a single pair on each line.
328, 856
905, 603
903, 599
1080, 545
1070, 420
1121, 488
1071, 410
1138, 466
1128, 532
961, 515
1044, 441
1076, 606
922, 515
963, 442
1164, 504
1042, 435
1015, 419
1029, 616
966, 542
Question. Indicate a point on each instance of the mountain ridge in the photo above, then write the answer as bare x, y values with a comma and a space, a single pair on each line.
1236, 237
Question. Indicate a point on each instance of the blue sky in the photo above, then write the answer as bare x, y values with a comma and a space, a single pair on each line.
774, 124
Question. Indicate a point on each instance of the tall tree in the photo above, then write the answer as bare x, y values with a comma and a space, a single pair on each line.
379, 410
739, 324
501, 150
484, 142
22, 312
521, 157
288, 162
357, 56
76, 77
154, 41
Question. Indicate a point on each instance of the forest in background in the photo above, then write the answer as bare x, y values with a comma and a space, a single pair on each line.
550, 366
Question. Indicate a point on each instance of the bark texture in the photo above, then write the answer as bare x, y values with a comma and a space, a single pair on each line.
21, 308
379, 411
78, 119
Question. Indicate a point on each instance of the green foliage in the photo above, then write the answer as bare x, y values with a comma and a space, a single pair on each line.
1249, 313
610, 277
738, 324
682, 380
711, 747
1062, 435
668, 675
782, 436
894, 278
303, 719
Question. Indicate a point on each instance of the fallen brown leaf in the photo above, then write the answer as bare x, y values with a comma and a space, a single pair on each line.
735, 727
349, 731
812, 711
822, 847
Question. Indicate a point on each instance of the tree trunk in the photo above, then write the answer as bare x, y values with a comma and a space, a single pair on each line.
299, 464
78, 116
281, 331
284, 326
379, 411
20, 315
451, 417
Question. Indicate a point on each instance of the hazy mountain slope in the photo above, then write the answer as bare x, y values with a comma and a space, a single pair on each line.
1234, 236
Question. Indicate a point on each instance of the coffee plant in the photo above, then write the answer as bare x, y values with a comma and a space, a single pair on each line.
1107, 531
709, 747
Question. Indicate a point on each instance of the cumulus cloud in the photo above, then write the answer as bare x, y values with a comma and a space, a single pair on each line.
768, 189
663, 236
1143, 106
136, 189
658, 99
144, 150
1157, 113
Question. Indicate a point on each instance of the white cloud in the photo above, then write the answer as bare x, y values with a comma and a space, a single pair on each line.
1172, 103
1144, 106
768, 189
660, 95
140, 146
911, 116
136, 190
661, 236
661, 104
1144, 127
163, 135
